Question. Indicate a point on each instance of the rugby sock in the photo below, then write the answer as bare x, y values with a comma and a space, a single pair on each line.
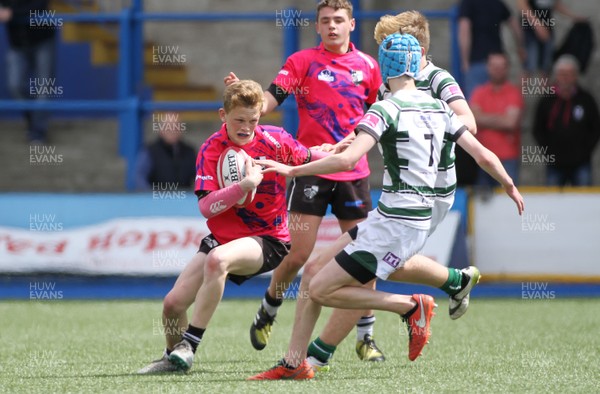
193, 335
320, 350
271, 304
364, 327
454, 282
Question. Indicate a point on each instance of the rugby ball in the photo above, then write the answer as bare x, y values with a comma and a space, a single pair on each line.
231, 168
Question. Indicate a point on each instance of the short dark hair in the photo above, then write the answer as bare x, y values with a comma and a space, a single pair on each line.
336, 5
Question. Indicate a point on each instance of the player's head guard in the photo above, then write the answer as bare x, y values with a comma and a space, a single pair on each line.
399, 54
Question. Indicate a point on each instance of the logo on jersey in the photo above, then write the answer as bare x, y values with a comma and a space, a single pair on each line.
455, 91
391, 259
283, 72
578, 112
204, 177
326, 75
217, 206
425, 121
357, 76
310, 191
370, 120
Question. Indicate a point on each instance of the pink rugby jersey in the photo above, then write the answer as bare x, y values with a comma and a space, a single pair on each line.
267, 213
331, 90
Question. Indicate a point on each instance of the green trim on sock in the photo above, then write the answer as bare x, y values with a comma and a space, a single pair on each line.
453, 284
320, 350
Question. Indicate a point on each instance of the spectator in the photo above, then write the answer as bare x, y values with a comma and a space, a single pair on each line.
167, 160
30, 55
479, 35
567, 127
498, 107
538, 25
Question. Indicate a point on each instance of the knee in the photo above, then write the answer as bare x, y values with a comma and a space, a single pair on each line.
215, 264
296, 259
310, 270
172, 306
316, 292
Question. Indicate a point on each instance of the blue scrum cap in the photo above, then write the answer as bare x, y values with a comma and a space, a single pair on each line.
399, 54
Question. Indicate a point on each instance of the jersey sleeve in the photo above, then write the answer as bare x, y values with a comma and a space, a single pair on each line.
374, 121
294, 153
445, 87
456, 128
206, 168
291, 75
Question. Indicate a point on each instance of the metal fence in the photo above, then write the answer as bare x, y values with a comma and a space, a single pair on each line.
130, 107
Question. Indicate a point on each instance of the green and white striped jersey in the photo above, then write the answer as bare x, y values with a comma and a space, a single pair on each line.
411, 128
439, 84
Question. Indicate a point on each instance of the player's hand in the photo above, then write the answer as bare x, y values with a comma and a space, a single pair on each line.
230, 78
343, 144
254, 176
323, 147
275, 166
5, 14
514, 194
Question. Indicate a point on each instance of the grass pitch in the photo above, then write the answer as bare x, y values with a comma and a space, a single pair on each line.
498, 346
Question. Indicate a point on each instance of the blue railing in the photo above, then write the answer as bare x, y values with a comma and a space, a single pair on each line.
131, 108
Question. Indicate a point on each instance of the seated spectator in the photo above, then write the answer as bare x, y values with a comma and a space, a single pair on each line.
166, 161
498, 108
567, 127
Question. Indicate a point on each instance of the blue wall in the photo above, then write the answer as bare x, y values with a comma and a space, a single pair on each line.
74, 210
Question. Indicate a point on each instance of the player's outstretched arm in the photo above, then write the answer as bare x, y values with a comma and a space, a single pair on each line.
490, 163
344, 161
463, 111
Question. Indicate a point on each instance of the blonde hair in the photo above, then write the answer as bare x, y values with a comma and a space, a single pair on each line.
244, 93
336, 5
408, 22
